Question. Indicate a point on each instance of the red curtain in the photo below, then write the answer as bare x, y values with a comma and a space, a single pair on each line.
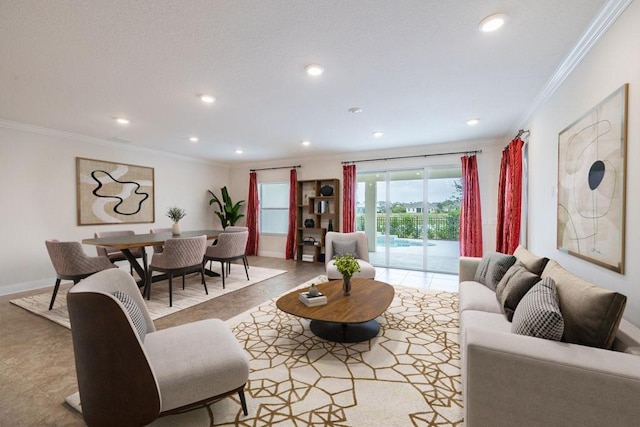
470, 213
253, 207
290, 249
510, 198
348, 198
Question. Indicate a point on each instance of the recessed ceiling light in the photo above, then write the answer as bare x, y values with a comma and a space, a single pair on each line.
122, 120
473, 122
239, 151
377, 134
355, 110
207, 98
314, 69
306, 143
492, 22
193, 139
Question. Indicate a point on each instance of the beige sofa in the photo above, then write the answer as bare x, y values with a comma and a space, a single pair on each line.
518, 380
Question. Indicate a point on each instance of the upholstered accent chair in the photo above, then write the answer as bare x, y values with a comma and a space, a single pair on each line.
230, 246
234, 229
157, 249
116, 254
129, 373
179, 256
356, 244
71, 263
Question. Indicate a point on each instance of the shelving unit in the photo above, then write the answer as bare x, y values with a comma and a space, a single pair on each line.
323, 210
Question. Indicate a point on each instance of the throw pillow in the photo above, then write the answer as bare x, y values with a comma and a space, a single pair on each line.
591, 314
492, 268
344, 247
134, 313
538, 314
513, 287
533, 263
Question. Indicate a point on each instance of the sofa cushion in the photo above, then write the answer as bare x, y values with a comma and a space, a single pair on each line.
134, 313
346, 247
591, 314
533, 263
492, 267
538, 314
513, 287
476, 296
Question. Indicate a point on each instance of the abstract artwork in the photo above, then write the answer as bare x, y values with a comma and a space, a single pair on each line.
113, 193
591, 184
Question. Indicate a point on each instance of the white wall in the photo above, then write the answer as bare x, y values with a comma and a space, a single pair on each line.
38, 194
331, 167
614, 60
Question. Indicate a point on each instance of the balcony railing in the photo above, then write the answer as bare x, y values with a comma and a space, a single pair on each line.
410, 226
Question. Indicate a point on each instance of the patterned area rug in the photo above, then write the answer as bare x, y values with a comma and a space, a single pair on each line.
158, 305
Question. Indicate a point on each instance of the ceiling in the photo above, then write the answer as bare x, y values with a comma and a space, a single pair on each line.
418, 69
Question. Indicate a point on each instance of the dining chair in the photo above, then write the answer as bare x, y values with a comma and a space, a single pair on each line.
129, 373
179, 256
71, 263
116, 254
233, 229
157, 249
229, 247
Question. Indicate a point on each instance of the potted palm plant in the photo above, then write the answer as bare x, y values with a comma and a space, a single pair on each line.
176, 214
347, 265
229, 212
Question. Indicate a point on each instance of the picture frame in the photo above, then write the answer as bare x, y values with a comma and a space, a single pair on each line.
114, 193
592, 184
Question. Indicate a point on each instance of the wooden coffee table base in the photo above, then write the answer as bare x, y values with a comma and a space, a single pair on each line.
345, 332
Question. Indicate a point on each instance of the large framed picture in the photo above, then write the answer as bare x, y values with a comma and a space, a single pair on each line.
591, 184
113, 193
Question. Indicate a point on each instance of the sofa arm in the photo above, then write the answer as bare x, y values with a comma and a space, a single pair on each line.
468, 267
519, 380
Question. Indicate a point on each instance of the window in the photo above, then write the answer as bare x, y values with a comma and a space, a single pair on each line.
274, 207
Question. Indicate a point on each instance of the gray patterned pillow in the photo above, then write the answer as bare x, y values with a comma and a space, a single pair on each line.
513, 287
134, 313
342, 248
492, 267
538, 314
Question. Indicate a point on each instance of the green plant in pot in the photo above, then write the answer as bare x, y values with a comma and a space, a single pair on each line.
228, 212
176, 214
347, 265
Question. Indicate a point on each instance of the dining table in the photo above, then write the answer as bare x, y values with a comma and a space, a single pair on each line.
128, 242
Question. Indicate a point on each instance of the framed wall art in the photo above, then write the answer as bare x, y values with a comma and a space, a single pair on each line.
591, 184
114, 193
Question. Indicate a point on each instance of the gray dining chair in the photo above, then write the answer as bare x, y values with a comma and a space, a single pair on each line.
236, 228
179, 256
157, 249
71, 263
116, 254
229, 247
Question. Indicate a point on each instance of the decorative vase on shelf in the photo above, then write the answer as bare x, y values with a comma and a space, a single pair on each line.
175, 229
330, 226
346, 286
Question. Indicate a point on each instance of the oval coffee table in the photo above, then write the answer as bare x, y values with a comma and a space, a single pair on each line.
343, 318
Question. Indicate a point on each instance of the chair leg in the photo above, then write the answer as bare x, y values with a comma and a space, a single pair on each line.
246, 271
170, 289
222, 272
204, 282
55, 292
183, 274
243, 402
147, 285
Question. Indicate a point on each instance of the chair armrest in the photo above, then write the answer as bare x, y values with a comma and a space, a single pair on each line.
468, 267
512, 379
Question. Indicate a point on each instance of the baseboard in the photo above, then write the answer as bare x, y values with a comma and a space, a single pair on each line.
27, 286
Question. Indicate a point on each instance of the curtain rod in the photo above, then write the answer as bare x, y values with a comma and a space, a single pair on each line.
280, 167
521, 132
415, 156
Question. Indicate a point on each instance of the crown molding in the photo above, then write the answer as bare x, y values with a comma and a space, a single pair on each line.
596, 29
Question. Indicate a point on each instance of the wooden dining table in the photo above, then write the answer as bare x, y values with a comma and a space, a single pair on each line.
128, 242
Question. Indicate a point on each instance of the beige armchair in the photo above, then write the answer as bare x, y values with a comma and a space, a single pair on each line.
354, 243
129, 373
71, 263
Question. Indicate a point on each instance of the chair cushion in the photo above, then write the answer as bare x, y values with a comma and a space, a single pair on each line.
591, 314
196, 361
492, 267
367, 271
342, 248
538, 314
135, 314
513, 287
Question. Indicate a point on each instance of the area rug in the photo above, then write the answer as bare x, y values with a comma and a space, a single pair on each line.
409, 375
158, 305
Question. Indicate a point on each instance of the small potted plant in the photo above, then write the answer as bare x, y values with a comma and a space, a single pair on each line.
347, 265
176, 214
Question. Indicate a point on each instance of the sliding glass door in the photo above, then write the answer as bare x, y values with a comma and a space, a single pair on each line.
411, 217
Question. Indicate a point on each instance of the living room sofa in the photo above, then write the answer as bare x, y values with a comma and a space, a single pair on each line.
509, 379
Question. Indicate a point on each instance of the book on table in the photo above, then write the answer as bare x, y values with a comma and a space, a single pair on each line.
312, 300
